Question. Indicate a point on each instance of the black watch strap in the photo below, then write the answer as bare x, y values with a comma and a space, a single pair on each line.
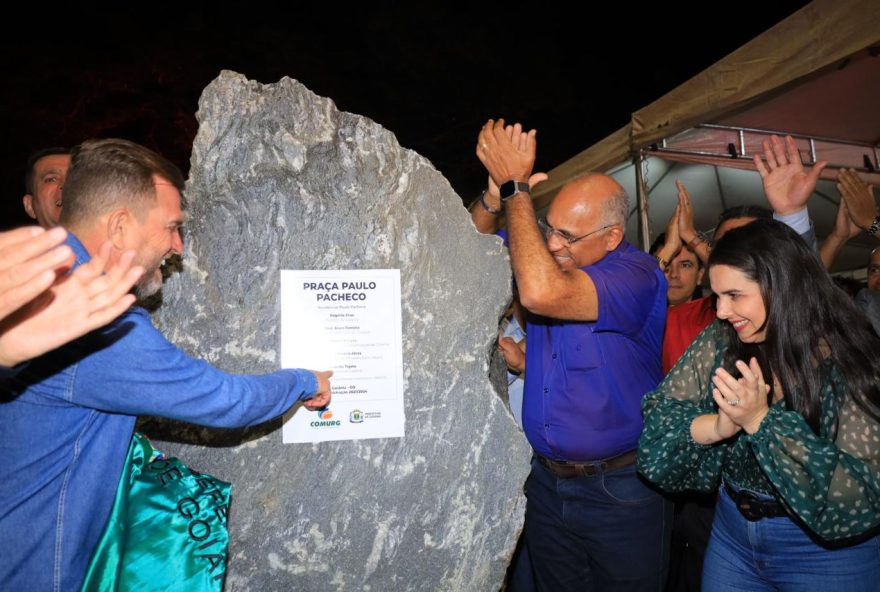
510, 188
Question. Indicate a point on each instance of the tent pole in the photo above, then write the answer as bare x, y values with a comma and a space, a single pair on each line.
642, 198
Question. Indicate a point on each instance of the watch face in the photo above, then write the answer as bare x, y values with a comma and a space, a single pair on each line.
507, 190
510, 188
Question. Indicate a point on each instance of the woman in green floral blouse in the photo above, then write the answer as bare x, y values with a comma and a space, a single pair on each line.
777, 403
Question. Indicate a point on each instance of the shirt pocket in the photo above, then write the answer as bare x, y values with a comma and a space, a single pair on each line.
580, 349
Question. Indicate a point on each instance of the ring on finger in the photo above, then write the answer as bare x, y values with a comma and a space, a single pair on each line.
733, 402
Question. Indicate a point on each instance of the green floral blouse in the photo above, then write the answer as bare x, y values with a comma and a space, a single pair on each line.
830, 482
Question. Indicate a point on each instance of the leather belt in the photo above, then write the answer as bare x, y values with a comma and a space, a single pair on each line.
566, 470
751, 507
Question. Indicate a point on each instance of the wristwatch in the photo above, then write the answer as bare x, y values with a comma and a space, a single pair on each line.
872, 229
510, 188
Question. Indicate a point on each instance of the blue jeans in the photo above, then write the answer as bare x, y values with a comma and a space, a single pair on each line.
777, 554
604, 532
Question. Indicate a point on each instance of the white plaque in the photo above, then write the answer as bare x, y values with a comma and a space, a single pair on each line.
347, 321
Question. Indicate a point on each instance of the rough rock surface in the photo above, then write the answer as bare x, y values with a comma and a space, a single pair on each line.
281, 179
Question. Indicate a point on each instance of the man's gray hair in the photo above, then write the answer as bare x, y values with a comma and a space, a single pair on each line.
616, 209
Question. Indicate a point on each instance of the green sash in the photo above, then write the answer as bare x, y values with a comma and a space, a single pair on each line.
167, 529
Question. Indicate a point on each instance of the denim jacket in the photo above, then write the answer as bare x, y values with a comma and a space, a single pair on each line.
66, 420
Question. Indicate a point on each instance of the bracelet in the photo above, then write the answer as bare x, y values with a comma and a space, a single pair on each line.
664, 264
696, 242
486, 206
874, 227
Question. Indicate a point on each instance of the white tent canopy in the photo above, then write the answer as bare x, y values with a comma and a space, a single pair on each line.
815, 75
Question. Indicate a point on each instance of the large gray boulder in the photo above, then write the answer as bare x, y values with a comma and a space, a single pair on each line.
281, 179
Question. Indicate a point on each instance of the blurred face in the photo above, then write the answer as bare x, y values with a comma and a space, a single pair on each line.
158, 237
739, 302
874, 271
44, 204
683, 275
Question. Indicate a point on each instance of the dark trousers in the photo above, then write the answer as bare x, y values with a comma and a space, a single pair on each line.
605, 532
691, 528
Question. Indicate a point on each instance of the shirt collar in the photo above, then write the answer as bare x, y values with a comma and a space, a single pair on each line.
82, 256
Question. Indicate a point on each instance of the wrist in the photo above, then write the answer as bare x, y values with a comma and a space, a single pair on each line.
715, 428
511, 188
754, 424
495, 207
668, 251
704, 430
662, 262
798, 219
695, 242
789, 211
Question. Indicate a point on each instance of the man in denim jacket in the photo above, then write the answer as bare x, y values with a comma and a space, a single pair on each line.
67, 417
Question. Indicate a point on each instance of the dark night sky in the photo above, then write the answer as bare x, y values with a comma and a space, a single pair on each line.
431, 74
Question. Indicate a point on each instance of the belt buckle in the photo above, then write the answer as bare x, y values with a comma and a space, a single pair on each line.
568, 470
754, 509
748, 505
590, 469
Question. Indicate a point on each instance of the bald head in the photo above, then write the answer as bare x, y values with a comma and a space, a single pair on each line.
593, 209
597, 195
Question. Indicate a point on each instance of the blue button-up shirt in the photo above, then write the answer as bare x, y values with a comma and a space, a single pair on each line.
585, 380
66, 420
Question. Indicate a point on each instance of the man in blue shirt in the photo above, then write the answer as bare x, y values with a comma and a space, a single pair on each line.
597, 310
67, 417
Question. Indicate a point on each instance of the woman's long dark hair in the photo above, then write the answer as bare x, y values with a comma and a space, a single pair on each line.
805, 311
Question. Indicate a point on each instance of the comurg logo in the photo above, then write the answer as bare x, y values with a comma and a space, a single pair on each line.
325, 420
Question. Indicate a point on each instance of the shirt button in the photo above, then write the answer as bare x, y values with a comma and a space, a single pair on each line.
554, 356
546, 426
546, 390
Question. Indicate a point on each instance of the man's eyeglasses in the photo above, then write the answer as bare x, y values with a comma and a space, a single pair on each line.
566, 237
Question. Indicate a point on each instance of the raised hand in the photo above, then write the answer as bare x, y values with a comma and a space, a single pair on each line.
686, 228
672, 242
844, 226
30, 260
743, 400
787, 185
506, 154
76, 303
859, 198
